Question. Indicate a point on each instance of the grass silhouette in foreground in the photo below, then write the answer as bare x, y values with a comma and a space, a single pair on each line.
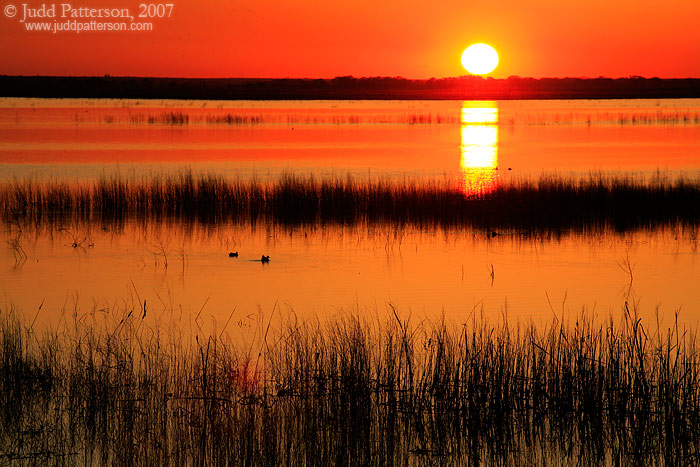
599, 201
349, 392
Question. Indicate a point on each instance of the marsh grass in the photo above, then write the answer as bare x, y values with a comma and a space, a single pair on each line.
660, 113
247, 118
596, 202
351, 392
664, 117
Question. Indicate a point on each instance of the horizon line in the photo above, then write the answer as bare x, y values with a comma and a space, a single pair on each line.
483, 77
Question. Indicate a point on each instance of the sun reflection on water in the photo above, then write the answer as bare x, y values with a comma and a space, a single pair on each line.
479, 161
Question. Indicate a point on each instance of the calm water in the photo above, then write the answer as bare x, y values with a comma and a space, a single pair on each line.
318, 271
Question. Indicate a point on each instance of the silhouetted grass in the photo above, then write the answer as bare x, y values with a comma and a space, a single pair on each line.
350, 393
549, 203
173, 118
245, 118
624, 117
665, 117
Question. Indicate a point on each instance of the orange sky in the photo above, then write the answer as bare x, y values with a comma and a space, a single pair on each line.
414, 39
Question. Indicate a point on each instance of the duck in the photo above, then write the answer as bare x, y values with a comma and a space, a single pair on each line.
265, 259
233, 254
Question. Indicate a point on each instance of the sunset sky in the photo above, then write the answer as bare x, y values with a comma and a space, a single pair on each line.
410, 38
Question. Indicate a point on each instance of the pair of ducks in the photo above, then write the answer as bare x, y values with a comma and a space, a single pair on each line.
263, 258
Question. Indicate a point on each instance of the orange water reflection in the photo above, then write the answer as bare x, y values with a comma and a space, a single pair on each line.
479, 160
316, 272
83, 138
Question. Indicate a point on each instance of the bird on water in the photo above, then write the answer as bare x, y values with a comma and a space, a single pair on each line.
265, 259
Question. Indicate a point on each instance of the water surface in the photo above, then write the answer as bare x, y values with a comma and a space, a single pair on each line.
320, 270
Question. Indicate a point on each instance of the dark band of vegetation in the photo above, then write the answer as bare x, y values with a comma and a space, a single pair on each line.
595, 202
348, 87
351, 394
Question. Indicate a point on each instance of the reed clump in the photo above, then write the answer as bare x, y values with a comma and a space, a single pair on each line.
347, 392
622, 117
666, 117
171, 118
598, 201
276, 118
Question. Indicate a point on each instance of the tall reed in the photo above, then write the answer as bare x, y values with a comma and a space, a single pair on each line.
550, 202
350, 392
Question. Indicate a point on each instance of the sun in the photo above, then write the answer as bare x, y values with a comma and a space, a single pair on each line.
479, 59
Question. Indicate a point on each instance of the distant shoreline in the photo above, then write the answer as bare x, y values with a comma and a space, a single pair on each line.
347, 87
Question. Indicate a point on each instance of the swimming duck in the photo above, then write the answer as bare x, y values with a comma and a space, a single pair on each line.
265, 259
233, 255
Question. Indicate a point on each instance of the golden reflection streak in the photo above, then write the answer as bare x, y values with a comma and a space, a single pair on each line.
479, 161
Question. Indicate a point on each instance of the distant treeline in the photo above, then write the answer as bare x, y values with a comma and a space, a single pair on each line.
348, 87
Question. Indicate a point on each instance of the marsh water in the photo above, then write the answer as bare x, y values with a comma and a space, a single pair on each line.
184, 271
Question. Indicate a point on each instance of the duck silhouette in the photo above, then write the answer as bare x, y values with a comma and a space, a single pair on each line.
233, 254
265, 259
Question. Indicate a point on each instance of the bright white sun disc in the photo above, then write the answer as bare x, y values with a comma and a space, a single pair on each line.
479, 59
